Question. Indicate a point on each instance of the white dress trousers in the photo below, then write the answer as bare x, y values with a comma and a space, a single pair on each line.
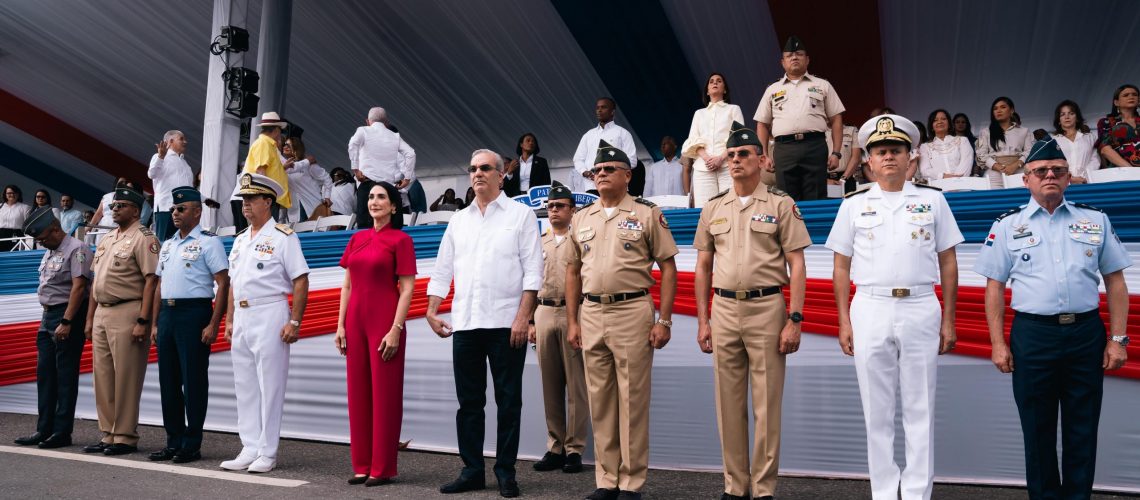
261, 367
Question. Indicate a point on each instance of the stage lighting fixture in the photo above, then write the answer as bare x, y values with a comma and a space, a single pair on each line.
241, 79
242, 104
232, 39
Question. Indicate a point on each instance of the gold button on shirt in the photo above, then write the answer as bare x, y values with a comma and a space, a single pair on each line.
617, 251
123, 260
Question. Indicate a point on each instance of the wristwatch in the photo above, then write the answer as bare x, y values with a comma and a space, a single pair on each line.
142, 321
796, 317
65, 322
836, 154
295, 323
1120, 339
665, 322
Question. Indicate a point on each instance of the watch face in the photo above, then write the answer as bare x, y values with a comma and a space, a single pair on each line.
796, 317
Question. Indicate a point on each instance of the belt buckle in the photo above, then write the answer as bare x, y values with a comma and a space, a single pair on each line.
243, 303
170, 302
900, 292
1067, 319
607, 298
800, 136
741, 294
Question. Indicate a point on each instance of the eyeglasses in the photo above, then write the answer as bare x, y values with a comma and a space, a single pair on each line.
117, 206
482, 168
609, 169
742, 154
181, 208
1040, 173
558, 206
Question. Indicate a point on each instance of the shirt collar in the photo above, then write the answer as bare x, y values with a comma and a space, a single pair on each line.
1033, 207
805, 78
717, 104
608, 125
908, 190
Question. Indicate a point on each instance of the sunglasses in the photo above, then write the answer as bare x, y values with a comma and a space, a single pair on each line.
181, 208
1040, 173
743, 154
117, 206
609, 169
482, 168
558, 206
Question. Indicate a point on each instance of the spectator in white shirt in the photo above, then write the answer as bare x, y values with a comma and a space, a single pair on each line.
944, 155
343, 192
493, 251
13, 212
611, 132
310, 184
707, 135
1075, 141
1002, 148
168, 169
378, 154
664, 175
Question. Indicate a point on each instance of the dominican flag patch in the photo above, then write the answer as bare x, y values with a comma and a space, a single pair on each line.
990, 240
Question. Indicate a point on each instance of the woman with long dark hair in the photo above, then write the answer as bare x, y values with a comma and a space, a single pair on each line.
707, 137
944, 154
963, 128
1073, 138
528, 170
380, 274
13, 212
1002, 147
1117, 133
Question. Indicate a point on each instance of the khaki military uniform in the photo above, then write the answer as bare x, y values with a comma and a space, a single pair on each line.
749, 241
123, 260
563, 376
617, 253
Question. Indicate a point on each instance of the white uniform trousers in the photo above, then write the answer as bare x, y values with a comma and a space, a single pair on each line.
261, 367
708, 184
896, 348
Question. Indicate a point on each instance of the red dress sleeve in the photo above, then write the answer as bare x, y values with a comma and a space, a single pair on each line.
405, 255
349, 249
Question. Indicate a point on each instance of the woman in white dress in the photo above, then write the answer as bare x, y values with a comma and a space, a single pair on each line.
1002, 147
1073, 137
945, 155
707, 136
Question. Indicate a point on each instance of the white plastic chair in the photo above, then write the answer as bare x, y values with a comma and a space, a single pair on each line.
670, 201
324, 223
952, 184
410, 219
1115, 174
226, 231
305, 226
1014, 181
433, 218
835, 190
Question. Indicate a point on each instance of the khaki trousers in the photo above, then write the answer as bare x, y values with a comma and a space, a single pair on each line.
619, 365
563, 383
746, 341
120, 367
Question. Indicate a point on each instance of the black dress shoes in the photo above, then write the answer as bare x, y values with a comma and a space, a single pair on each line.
573, 463
119, 449
357, 479
766, 497
36, 438
463, 484
629, 495
377, 481
163, 455
184, 456
508, 488
96, 448
550, 461
729, 496
604, 494
56, 441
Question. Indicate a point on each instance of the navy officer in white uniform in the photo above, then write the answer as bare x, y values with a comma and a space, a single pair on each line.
895, 240
190, 264
266, 264
1055, 253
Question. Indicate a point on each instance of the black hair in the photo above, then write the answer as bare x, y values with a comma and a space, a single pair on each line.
997, 134
47, 196
1081, 125
518, 145
15, 189
705, 91
969, 127
930, 123
397, 220
1116, 95
610, 99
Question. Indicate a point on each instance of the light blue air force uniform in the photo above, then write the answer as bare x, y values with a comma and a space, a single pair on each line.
187, 265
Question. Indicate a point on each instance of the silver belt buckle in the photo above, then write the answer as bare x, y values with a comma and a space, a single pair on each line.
800, 136
606, 298
243, 303
900, 292
1067, 319
170, 302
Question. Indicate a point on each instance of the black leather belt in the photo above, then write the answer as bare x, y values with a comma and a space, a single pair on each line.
113, 304
610, 298
798, 137
56, 306
551, 302
747, 294
187, 302
1060, 319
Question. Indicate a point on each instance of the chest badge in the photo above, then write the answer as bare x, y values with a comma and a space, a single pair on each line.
1088, 252
771, 219
1025, 257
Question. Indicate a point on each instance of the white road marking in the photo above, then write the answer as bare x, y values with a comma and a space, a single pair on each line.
241, 477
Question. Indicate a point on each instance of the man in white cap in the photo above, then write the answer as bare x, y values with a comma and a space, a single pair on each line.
264, 158
266, 264
895, 240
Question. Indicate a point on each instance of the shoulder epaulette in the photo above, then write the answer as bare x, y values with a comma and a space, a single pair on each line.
928, 187
645, 202
284, 228
208, 233
1009, 213
1087, 207
544, 233
586, 205
776, 191
146, 231
718, 195
857, 191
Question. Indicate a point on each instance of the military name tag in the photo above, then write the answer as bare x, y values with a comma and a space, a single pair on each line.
721, 220
630, 225
771, 219
1023, 235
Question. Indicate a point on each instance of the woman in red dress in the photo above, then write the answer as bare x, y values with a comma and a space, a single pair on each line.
380, 272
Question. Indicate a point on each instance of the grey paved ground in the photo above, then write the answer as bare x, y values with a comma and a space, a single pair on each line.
325, 467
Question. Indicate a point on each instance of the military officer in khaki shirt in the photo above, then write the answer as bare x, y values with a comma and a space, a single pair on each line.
798, 110
563, 378
118, 322
747, 239
615, 242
